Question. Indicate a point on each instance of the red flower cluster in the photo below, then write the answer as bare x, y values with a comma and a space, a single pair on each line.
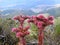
21, 18
21, 31
40, 21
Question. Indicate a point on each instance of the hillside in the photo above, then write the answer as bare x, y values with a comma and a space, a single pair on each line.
13, 12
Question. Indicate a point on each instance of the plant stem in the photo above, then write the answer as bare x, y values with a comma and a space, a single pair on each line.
22, 41
40, 37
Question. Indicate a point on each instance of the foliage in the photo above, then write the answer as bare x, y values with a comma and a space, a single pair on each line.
8, 24
57, 26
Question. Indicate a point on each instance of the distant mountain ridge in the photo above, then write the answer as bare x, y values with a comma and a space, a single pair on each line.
13, 12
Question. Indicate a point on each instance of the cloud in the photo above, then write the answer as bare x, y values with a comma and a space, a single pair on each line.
43, 5
0, 0
54, 6
35, 0
57, 5
10, 5
39, 8
36, 10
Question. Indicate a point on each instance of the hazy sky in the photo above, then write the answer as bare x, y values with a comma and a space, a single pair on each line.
4, 4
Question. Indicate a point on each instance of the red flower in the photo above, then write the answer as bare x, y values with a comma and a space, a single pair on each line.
50, 22
20, 27
19, 34
39, 24
26, 17
33, 17
26, 28
16, 17
35, 22
30, 20
14, 29
45, 20
27, 32
51, 18
40, 16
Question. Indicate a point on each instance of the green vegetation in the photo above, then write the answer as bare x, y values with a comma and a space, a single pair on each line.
7, 24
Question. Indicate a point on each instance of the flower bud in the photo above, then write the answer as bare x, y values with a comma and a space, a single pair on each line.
20, 27
22, 19
26, 17
40, 17
34, 17
51, 18
30, 20
14, 29
16, 17
26, 33
19, 34
39, 24
45, 20
51, 22
26, 28
35, 22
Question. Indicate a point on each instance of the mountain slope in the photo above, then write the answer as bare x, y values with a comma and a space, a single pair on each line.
54, 11
13, 12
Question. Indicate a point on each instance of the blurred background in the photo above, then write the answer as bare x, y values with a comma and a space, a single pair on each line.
11, 8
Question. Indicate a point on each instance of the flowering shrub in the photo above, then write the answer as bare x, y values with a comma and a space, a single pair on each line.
21, 31
40, 21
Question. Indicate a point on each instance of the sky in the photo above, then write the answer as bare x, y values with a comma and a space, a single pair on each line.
7, 4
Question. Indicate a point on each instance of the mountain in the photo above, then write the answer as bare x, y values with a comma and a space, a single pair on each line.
55, 11
9, 13
51, 10
13, 12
